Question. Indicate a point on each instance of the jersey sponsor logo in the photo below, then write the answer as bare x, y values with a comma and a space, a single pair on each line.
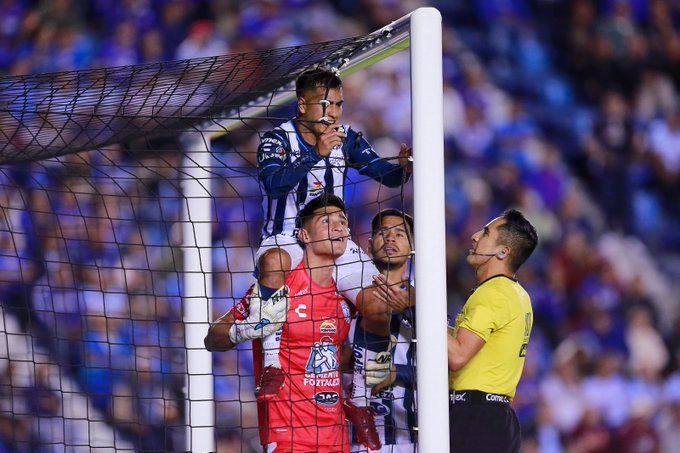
497, 398
358, 353
336, 161
328, 326
380, 408
323, 357
315, 186
387, 393
300, 311
273, 141
330, 379
302, 292
327, 398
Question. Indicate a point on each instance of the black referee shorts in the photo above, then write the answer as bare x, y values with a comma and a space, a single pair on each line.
483, 423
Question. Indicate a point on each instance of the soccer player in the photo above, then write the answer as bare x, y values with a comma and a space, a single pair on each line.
393, 398
489, 342
307, 413
298, 161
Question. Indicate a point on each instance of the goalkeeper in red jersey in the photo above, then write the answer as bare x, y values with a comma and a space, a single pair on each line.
307, 413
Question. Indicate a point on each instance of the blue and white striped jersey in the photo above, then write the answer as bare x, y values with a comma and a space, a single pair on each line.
292, 172
395, 406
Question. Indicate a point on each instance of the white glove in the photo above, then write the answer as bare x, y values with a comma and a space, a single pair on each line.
379, 369
264, 318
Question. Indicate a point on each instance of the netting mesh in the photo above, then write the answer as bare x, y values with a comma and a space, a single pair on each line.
92, 351
48, 115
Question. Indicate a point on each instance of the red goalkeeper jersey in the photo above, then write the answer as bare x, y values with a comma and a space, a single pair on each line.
307, 413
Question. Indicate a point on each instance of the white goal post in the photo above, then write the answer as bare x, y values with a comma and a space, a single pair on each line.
421, 31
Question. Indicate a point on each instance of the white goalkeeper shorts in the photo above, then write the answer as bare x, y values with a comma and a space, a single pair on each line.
355, 270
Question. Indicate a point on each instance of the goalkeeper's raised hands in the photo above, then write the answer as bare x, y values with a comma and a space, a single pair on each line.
264, 317
251, 318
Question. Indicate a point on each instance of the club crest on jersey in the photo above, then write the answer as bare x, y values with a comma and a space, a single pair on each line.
271, 148
323, 357
316, 187
328, 326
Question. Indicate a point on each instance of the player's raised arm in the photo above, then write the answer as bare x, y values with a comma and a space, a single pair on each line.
387, 172
251, 318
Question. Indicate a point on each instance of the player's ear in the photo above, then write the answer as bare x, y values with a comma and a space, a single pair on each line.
303, 235
301, 105
370, 246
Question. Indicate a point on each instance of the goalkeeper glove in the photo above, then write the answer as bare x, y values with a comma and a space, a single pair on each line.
264, 318
379, 369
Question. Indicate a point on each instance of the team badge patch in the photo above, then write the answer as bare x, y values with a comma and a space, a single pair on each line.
324, 357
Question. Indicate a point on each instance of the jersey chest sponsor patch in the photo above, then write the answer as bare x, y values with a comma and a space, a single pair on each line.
328, 327
327, 398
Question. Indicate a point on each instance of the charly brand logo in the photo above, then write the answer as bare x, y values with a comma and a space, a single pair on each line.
301, 310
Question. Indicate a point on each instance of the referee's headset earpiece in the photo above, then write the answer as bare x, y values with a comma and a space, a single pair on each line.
501, 254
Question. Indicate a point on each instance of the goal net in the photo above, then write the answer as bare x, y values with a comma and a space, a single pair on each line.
130, 214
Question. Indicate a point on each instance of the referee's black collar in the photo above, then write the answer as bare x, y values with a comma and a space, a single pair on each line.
492, 277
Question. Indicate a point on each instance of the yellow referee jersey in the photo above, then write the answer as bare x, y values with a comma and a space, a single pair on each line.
499, 311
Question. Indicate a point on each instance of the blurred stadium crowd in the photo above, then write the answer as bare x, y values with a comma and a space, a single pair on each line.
566, 110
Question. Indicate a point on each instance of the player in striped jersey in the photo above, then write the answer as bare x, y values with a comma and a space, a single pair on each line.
298, 161
393, 398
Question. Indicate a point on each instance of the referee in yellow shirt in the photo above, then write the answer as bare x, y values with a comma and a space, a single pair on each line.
489, 341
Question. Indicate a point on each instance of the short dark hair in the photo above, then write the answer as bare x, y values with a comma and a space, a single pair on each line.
323, 200
389, 212
318, 77
520, 235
